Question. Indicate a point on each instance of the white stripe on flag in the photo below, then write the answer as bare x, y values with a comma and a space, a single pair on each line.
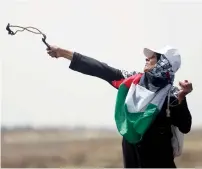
160, 96
138, 97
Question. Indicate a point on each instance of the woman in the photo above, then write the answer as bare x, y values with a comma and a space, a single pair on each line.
155, 149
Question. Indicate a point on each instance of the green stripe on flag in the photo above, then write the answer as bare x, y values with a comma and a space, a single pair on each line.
145, 120
124, 126
132, 126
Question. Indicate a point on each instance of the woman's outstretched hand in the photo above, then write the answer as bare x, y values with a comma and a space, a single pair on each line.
56, 52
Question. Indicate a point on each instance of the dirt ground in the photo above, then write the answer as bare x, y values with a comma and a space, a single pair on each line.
78, 148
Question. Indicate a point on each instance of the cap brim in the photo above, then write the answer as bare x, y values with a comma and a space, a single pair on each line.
149, 52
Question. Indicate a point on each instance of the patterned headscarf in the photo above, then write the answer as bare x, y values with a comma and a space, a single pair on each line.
159, 76
163, 69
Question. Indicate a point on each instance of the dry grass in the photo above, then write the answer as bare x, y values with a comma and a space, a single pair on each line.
88, 148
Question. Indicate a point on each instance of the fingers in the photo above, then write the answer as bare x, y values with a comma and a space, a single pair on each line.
52, 48
52, 51
186, 86
181, 84
190, 86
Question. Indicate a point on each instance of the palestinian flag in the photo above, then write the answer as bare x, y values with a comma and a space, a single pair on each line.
136, 107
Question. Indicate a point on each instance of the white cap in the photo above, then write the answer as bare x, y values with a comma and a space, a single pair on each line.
169, 52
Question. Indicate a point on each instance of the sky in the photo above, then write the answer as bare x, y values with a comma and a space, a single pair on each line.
38, 90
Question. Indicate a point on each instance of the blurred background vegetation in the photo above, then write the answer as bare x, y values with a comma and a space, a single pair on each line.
49, 147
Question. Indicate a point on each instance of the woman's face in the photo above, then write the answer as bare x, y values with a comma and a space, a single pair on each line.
150, 62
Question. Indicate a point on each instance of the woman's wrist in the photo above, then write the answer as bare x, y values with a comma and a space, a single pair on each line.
66, 53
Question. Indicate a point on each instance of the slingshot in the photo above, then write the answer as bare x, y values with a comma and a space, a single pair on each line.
10, 32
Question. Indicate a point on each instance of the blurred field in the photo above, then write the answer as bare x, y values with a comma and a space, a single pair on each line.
77, 148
